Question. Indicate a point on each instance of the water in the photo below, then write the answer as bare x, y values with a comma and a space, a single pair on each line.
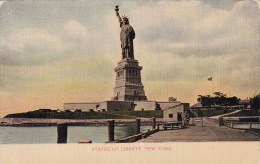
40, 135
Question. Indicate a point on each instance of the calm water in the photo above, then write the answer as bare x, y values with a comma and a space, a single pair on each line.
38, 135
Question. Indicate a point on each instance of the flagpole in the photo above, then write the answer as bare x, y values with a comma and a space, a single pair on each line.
212, 87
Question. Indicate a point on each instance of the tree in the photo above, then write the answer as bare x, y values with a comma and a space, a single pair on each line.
171, 99
205, 100
219, 94
218, 99
255, 102
230, 101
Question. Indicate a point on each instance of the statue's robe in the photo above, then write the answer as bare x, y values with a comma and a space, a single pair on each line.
126, 36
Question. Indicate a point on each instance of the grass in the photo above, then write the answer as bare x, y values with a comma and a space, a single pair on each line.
245, 113
88, 115
108, 115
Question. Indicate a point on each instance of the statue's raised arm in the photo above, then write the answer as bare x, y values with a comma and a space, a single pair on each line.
127, 36
118, 15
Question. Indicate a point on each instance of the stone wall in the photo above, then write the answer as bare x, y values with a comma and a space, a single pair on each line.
145, 105
119, 105
100, 106
86, 107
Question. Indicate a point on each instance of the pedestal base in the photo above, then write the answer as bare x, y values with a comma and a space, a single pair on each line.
128, 81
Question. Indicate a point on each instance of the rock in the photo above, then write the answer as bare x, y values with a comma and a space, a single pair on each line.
86, 140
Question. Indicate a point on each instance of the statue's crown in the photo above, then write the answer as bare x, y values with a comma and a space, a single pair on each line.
125, 17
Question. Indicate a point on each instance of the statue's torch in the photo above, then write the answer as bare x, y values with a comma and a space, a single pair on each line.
117, 9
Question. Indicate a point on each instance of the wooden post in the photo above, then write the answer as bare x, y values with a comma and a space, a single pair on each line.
220, 121
154, 122
111, 130
62, 130
192, 120
180, 126
231, 124
202, 121
138, 124
250, 125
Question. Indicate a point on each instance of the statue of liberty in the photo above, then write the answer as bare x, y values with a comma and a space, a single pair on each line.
127, 36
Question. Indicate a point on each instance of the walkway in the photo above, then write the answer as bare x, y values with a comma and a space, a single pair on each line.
216, 117
209, 132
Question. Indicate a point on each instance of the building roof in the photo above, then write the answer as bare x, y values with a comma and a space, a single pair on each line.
172, 107
197, 105
244, 102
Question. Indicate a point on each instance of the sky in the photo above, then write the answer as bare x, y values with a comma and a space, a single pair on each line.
54, 52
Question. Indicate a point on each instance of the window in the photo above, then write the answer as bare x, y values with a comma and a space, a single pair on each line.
170, 115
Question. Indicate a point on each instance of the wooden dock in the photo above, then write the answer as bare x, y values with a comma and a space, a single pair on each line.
210, 131
170, 125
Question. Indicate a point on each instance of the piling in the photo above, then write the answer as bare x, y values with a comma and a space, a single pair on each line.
192, 121
154, 122
231, 124
62, 130
138, 124
220, 121
111, 130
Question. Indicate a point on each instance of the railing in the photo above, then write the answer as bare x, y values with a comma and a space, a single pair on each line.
236, 123
196, 119
195, 113
242, 125
132, 138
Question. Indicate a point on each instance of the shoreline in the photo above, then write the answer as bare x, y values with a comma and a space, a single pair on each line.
42, 122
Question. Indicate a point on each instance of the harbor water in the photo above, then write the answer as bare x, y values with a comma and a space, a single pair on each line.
48, 135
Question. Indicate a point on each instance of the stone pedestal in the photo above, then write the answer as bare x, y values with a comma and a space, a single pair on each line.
128, 81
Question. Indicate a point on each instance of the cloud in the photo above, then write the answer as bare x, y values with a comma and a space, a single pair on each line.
30, 47
179, 44
75, 30
1, 3
194, 40
185, 28
196, 29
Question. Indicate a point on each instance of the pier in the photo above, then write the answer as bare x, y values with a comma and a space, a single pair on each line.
210, 131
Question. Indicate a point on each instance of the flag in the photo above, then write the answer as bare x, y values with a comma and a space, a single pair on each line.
210, 78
